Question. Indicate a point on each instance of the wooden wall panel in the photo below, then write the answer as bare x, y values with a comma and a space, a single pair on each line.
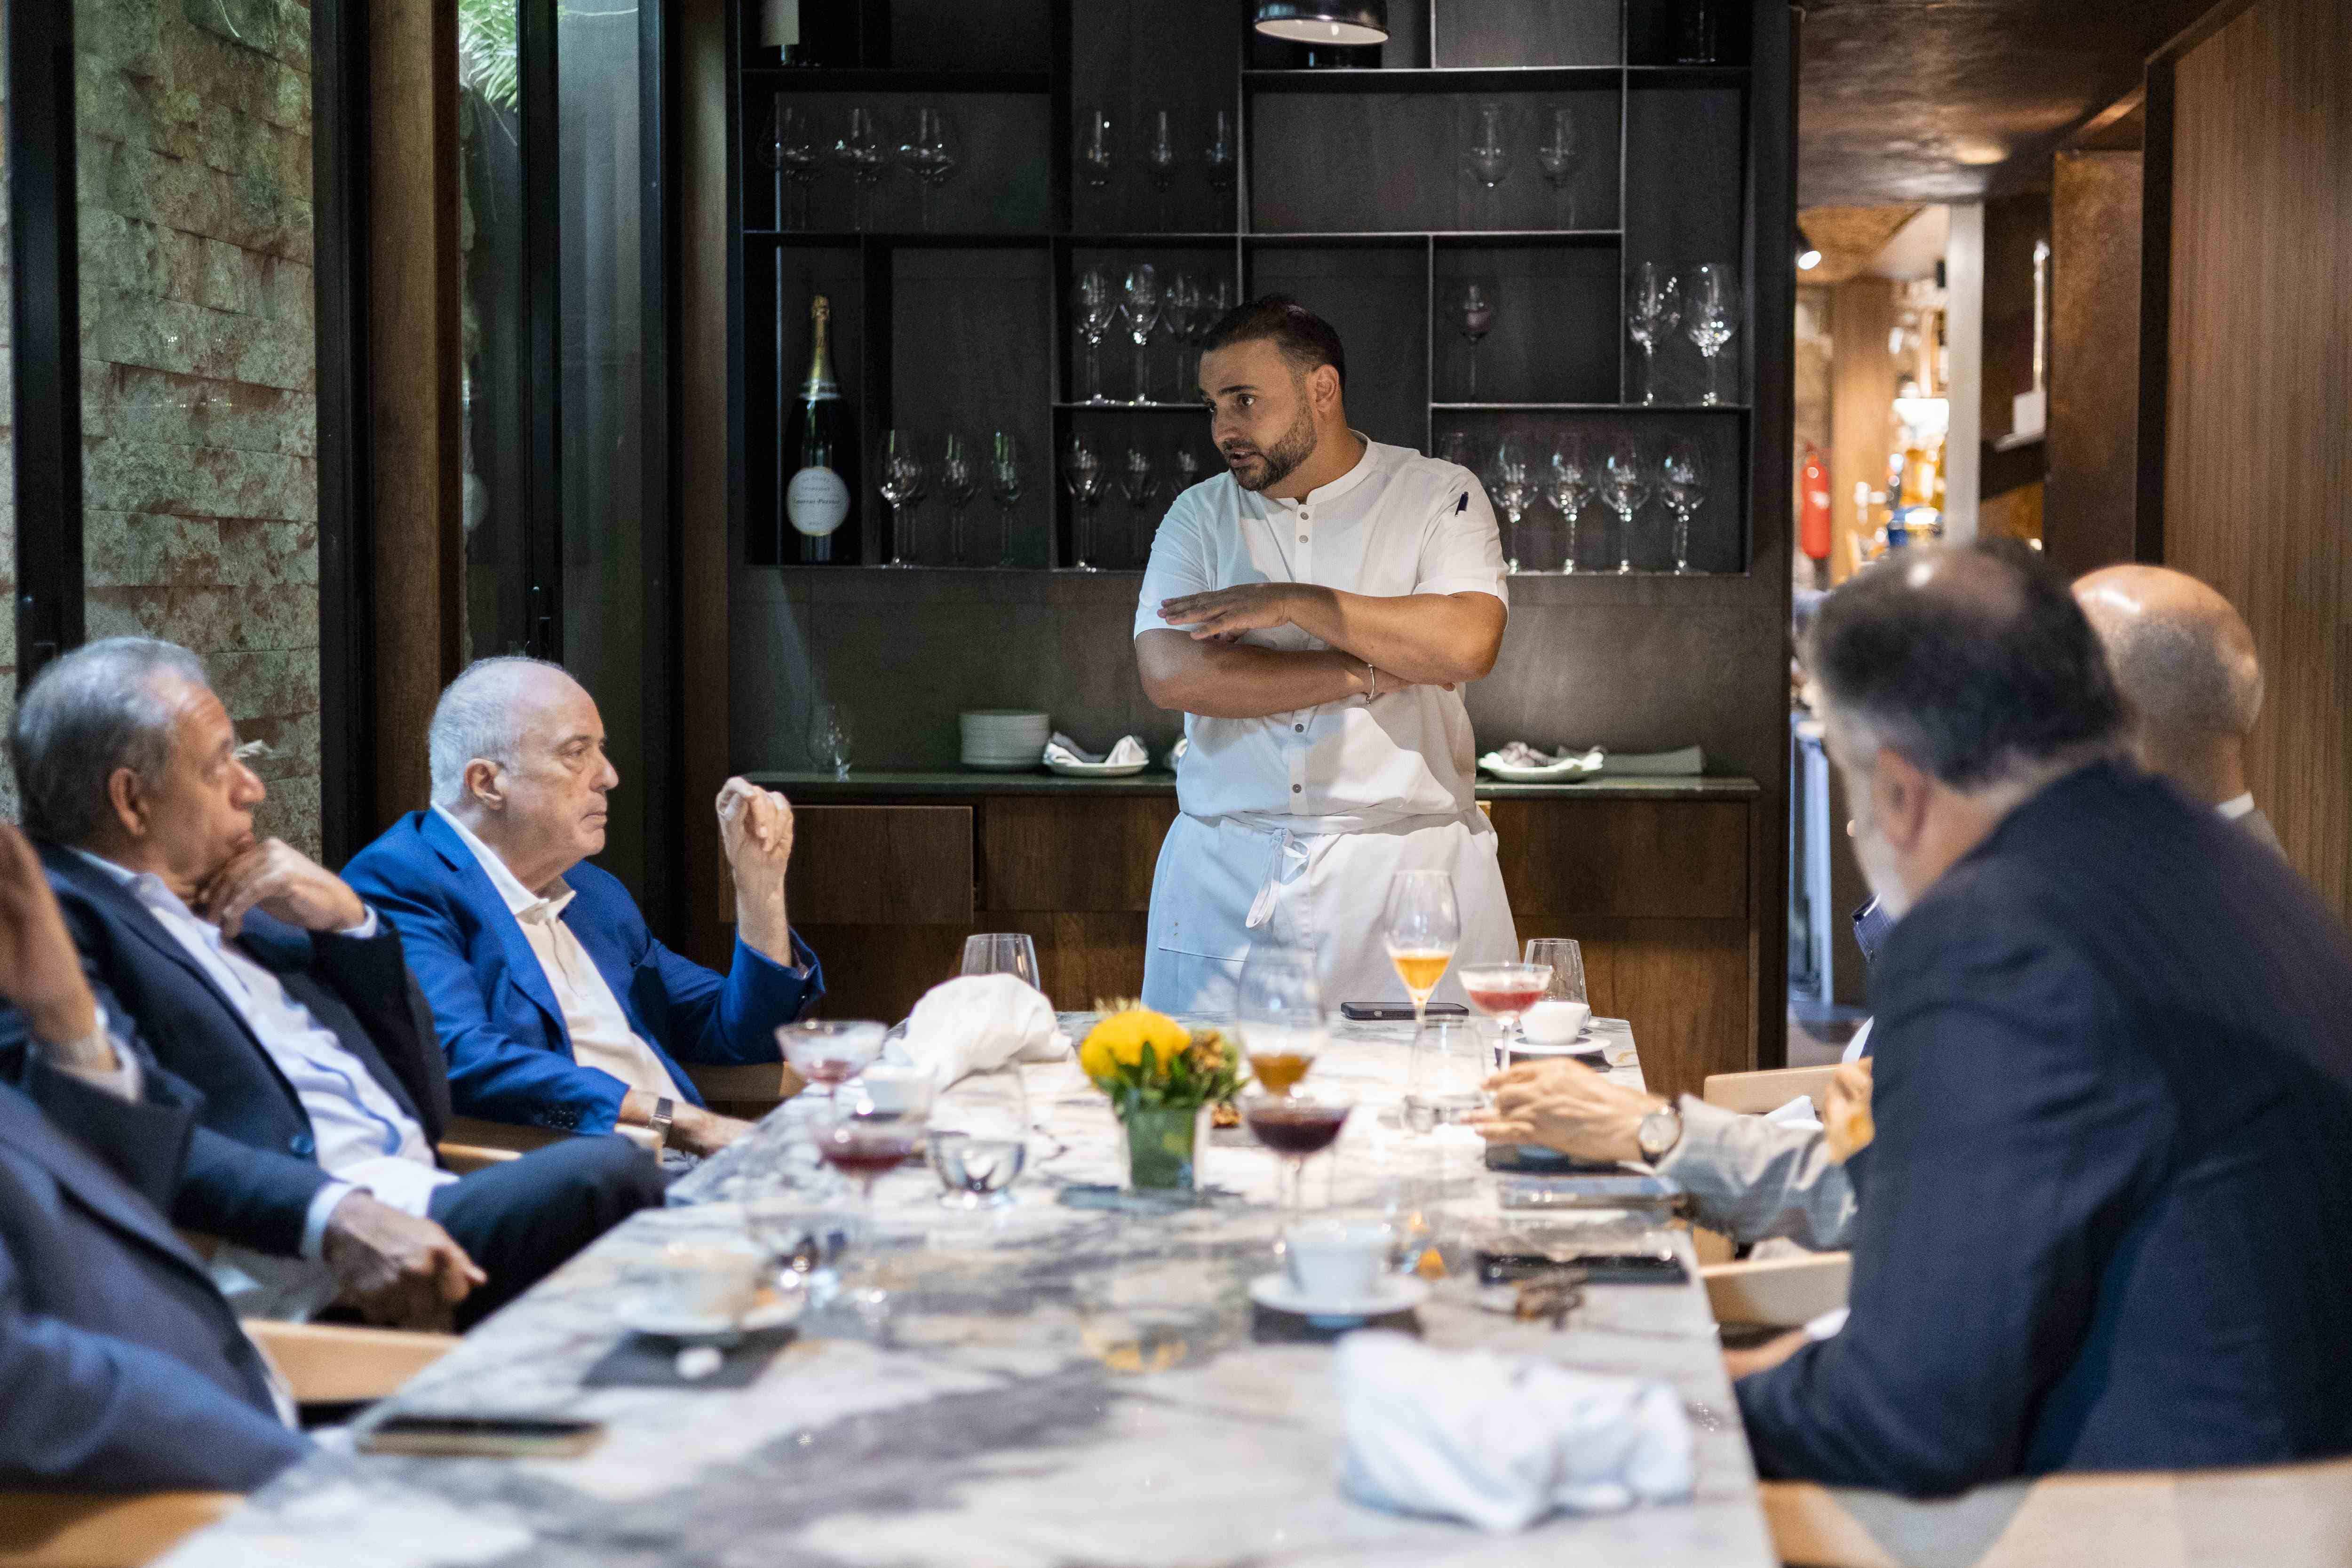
881, 970
1679, 858
1077, 856
1683, 985
2258, 390
1861, 396
2092, 495
881, 865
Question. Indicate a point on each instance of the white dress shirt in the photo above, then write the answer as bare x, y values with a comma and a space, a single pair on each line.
1396, 523
599, 1030
2236, 807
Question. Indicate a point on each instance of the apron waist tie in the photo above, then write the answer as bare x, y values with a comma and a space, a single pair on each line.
1289, 839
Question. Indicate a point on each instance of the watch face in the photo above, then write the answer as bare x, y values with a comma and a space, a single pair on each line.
1659, 1132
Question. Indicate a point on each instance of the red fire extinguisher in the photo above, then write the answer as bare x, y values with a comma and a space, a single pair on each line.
1813, 515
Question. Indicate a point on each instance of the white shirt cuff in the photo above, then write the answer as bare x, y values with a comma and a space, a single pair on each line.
86, 1059
365, 929
314, 1225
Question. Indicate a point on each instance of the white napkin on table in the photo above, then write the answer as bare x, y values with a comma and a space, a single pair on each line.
1501, 1441
1126, 749
976, 1022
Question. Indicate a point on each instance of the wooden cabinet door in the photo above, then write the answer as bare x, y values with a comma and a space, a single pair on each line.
879, 866
1053, 853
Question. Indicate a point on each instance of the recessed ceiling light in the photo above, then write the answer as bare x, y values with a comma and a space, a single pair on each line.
1325, 21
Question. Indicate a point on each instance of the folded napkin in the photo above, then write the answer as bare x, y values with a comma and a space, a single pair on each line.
1501, 1441
1062, 750
1689, 761
978, 1022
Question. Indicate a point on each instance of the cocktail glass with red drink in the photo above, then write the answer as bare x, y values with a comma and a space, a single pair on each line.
1296, 1126
1504, 991
831, 1052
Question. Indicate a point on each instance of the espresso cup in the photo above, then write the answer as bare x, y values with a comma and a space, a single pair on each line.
1336, 1259
1553, 1022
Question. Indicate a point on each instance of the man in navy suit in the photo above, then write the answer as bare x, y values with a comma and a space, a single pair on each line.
555, 1004
262, 980
124, 1368
2106, 1219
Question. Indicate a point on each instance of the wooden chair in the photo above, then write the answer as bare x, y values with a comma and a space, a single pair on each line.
1752, 1093
468, 1143
325, 1363
1778, 1292
2283, 1515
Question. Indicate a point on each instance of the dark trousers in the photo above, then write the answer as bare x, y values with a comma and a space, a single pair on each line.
521, 1219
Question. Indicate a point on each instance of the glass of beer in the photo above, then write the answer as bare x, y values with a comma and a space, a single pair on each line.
1424, 927
1278, 1012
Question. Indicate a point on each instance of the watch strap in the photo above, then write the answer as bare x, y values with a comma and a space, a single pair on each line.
665, 1109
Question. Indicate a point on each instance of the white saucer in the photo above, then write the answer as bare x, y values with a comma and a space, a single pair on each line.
1097, 770
773, 1310
1587, 1044
1390, 1293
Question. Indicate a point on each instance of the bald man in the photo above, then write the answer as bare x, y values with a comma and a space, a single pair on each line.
2184, 659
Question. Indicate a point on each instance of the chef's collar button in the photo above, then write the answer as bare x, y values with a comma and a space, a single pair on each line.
1296, 788
1301, 729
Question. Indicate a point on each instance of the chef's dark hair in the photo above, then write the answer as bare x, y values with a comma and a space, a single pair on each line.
1305, 339
1974, 663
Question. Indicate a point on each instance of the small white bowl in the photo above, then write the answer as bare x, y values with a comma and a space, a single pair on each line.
1555, 1023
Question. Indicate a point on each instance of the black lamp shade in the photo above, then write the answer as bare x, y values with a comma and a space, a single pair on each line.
1324, 23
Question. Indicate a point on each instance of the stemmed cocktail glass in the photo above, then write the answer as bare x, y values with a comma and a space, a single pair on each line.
1423, 928
1504, 991
830, 1052
1296, 1126
864, 1135
1278, 1011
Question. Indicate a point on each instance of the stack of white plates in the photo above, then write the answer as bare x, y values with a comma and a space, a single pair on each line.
1003, 740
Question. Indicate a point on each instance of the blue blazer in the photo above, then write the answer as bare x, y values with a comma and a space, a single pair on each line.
125, 1370
2107, 1220
508, 1051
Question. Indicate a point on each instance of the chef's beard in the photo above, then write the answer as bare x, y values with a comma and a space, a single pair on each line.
1282, 460
1877, 859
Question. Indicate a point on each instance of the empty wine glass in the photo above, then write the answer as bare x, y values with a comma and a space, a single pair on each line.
792, 151
1682, 485
1082, 474
1002, 952
829, 737
1139, 302
1475, 310
1186, 460
1180, 313
1005, 489
929, 153
1507, 487
866, 156
1711, 306
1561, 152
1489, 152
1625, 486
1219, 156
978, 1137
1095, 306
1160, 157
1569, 487
1652, 307
1098, 148
959, 481
1137, 479
905, 479
1456, 446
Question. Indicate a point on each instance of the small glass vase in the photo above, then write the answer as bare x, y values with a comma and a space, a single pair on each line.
1161, 1142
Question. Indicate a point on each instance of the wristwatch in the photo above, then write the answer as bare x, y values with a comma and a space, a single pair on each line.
665, 1108
1659, 1133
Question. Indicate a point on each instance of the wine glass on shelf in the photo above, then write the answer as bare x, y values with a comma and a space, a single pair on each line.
929, 153
1082, 474
1160, 157
1139, 302
792, 151
1278, 1012
1221, 156
830, 1051
1559, 153
1005, 489
905, 479
1652, 307
1181, 311
959, 483
1456, 447
1423, 927
1094, 307
1297, 1127
1474, 311
829, 737
1711, 305
1503, 992
1507, 487
863, 152
1002, 952
1625, 486
1186, 460
1488, 151
1137, 478
1682, 485
978, 1137
1098, 148
1569, 487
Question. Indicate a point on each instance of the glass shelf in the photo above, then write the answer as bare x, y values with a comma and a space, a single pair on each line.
1484, 79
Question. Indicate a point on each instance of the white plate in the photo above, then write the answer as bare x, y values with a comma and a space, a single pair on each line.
1390, 1293
1025, 765
1558, 772
1097, 770
773, 1310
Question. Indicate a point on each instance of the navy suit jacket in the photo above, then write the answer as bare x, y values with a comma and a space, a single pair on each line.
509, 1054
360, 989
124, 1369
2107, 1220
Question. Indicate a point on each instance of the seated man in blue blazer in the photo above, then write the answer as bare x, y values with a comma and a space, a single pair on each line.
555, 1004
2106, 1219
125, 1370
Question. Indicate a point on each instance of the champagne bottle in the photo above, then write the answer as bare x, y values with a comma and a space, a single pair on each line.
820, 450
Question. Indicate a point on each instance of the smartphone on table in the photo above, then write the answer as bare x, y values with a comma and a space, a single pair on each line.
509, 1436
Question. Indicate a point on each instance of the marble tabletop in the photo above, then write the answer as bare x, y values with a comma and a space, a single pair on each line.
1054, 1385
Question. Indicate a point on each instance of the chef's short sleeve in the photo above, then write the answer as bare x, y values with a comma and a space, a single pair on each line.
1180, 564
1461, 548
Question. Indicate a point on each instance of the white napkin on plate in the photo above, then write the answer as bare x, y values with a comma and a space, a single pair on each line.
1501, 1441
980, 1021
1062, 750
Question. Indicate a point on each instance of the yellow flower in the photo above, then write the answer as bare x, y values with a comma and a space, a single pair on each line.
1118, 1041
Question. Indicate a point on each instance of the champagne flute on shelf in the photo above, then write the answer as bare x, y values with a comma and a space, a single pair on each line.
1296, 1126
1220, 157
1139, 302
1711, 300
1095, 308
1082, 473
1560, 153
1475, 310
1507, 487
1681, 484
1005, 489
866, 155
905, 480
959, 483
829, 737
1569, 487
1625, 486
1489, 152
1137, 478
1652, 307
1278, 1012
1159, 158
929, 153
1423, 926
1098, 148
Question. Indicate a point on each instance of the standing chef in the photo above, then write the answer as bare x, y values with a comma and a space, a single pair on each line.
1313, 612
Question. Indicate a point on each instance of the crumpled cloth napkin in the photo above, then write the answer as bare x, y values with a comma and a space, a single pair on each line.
1571, 763
1501, 1441
1126, 749
976, 1022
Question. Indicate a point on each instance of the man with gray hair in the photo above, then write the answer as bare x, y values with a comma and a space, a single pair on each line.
555, 1004
261, 979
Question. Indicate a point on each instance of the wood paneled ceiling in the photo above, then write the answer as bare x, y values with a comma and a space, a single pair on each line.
1941, 101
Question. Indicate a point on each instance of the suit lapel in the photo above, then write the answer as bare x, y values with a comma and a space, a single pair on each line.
82, 1174
478, 891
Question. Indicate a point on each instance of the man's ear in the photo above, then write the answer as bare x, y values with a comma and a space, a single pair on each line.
1323, 384
127, 803
484, 787
1899, 791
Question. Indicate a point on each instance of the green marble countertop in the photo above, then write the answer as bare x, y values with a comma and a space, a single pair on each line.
863, 784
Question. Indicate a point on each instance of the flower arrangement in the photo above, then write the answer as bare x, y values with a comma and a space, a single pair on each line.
1159, 1076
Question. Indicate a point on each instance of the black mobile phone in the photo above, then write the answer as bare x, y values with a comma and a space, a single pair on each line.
1535, 1160
1631, 1267
1382, 1012
496, 1437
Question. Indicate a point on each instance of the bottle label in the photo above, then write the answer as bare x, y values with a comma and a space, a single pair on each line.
817, 500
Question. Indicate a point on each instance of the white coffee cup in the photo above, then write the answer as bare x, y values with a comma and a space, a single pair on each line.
885, 1089
1335, 1259
1555, 1023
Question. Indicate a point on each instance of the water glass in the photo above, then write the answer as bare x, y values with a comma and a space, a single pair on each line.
1565, 959
1446, 1076
1002, 952
829, 737
978, 1138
